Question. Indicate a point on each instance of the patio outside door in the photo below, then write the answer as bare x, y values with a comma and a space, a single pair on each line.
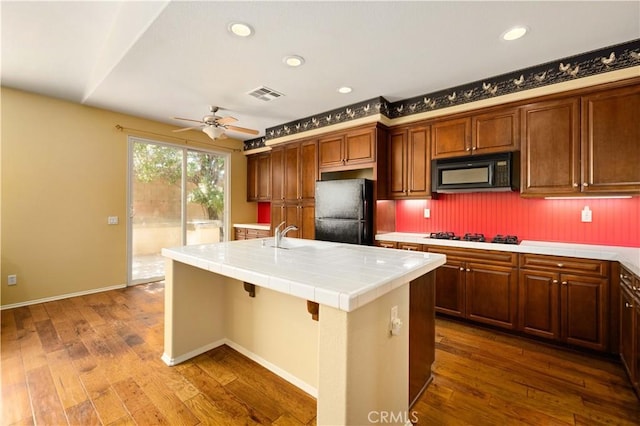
176, 196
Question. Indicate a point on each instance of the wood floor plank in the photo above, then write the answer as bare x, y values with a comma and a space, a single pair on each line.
48, 410
68, 384
83, 414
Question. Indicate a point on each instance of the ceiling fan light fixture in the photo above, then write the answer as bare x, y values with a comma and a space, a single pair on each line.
213, 132
293, 61
240, 29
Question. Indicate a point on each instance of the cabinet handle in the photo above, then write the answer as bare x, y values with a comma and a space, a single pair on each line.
468, 270
624, 277
585, 184
555, 281
575, 185
461, 268
560, 265
474, 148
628, 305
564, 283
468, 149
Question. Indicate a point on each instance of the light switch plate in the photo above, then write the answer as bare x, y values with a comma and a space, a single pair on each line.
112, 220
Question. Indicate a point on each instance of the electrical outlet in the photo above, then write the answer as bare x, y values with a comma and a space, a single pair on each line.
394, 312
427, 213
12, 280
587, 214
112, 220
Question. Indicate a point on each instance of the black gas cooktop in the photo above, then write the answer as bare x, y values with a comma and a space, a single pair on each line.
480, 238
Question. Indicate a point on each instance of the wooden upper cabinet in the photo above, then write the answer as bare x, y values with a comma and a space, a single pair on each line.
259, 177
277, 174
451, 138
308, 169
550, 154
409, 163
611, 141
497, 131
291, 172
347, 149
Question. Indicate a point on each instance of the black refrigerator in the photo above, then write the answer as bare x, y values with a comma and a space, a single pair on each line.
344, 211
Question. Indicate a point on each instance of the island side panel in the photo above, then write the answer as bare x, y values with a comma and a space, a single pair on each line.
194, 319
422, 334
363, 370
276, 328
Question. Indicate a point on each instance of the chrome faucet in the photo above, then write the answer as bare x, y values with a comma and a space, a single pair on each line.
278, 234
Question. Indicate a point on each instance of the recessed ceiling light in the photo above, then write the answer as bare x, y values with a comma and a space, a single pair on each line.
345, 89
514, 33
293, 60
240, 29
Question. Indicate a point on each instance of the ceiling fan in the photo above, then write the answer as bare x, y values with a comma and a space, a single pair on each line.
214, 125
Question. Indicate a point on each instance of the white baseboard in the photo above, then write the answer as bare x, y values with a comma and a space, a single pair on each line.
62, 296
194, 353
252, 356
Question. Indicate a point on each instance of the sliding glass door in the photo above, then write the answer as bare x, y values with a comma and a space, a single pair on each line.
177, 196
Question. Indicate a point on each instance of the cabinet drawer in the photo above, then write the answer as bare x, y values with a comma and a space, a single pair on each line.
630, 282
256, 233
474, 255
387, 244
410, 246
565, 264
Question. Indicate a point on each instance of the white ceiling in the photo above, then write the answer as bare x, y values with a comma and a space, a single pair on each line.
163, 59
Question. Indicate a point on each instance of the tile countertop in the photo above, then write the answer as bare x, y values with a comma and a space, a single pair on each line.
260, 226
343, 276
628, 256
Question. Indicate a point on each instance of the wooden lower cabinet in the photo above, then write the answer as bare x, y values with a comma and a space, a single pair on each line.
478, 285
242, 233
569, 307
630, 326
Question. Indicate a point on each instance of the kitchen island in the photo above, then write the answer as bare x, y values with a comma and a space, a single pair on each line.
262, 300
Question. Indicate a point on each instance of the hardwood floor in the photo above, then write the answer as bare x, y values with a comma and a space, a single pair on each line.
96, 360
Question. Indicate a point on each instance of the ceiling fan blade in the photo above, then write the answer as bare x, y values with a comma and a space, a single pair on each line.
226, 120
242, 130
187, 128
223, 136
187, 119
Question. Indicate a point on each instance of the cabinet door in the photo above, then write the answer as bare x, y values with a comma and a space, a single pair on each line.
252, 178
497, 131
359, 147
491, 294
397, 163
611, 141
330, 151
551, 148
627, 335
450, 288
418, 162
291, 173
421, 334
277, 174
538, 297
263, 184
451, 138
306, 221
308, 169
240, 233
278, 215
636, 353
583, 302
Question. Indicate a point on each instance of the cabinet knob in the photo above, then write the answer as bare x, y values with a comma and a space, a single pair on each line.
628, 305
468, 270
585, 184
564, 283
624, 277
461, 268
560, 265
575, 185
468, 149
555, 281
474, 148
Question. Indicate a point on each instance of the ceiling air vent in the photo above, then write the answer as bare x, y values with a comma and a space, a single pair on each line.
265, 94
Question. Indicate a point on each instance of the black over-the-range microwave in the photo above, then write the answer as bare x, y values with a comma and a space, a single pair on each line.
477, 173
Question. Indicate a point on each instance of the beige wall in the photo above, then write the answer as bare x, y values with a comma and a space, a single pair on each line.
63, 171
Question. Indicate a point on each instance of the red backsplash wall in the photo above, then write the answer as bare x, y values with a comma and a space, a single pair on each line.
615, 221
264, 212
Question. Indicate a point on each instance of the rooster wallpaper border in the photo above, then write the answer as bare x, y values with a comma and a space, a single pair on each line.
612, 58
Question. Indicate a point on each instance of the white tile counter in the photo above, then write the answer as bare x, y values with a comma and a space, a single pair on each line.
342, 276
628, 256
